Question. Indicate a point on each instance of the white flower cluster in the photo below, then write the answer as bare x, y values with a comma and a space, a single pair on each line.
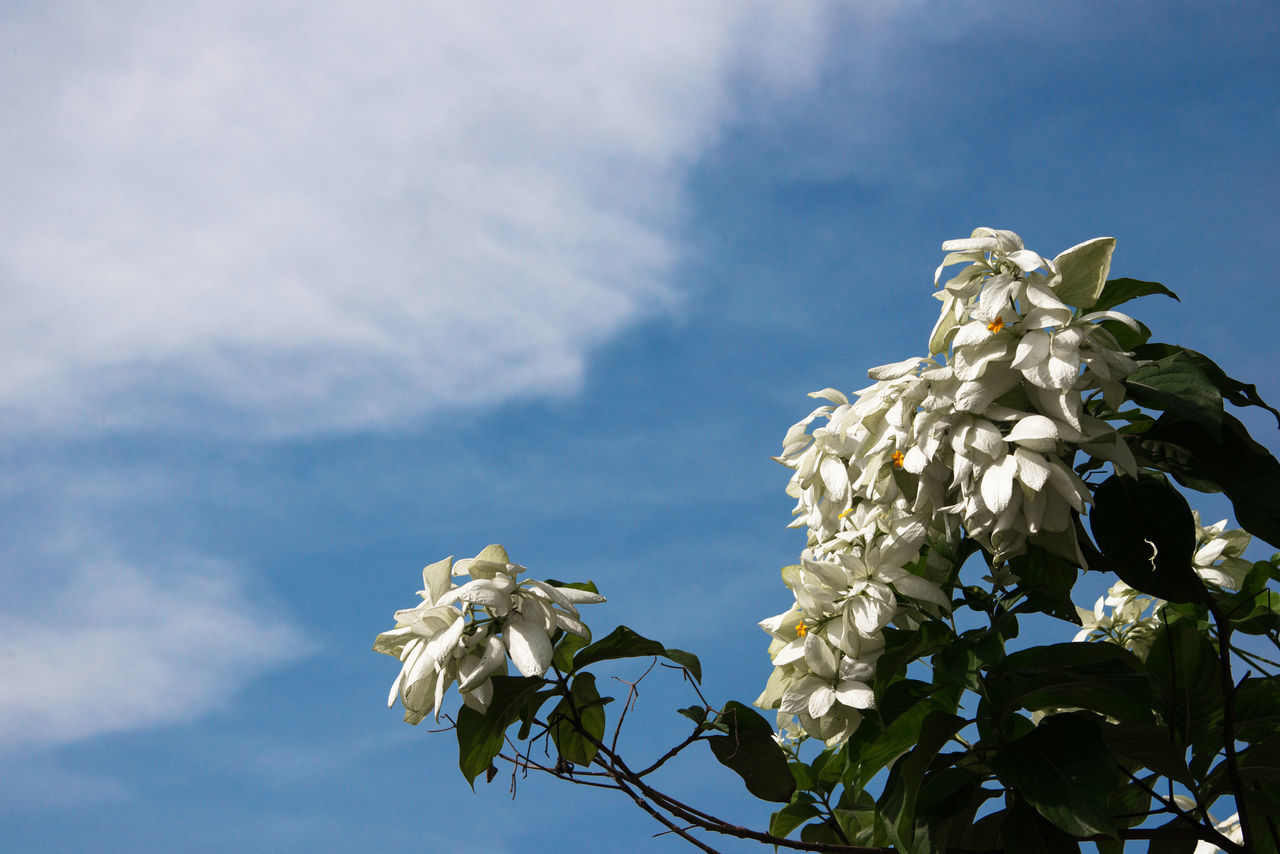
1126, 617
976, 439
465, 633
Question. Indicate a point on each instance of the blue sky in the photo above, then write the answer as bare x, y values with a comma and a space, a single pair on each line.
299, 300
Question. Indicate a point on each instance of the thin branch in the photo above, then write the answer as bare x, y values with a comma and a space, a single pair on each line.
1229, 722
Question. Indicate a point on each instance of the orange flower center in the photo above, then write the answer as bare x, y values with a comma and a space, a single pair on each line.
996, 325
801, 630
898, 457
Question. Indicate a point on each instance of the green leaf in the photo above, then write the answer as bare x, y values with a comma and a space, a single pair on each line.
1259, 767
1183, 667
1046, 579
1176, 385
1174, 845
1065, 771
1257, 708
1118, 291
562, 658
622, 642
697, 714
907, 774
1026, 830
750, 751
578, 722
1127, 337
1150, 745
1232, 390
790, 817
480, 739
903, 646
480, 735
1238, 465
1101, 677
1147, 533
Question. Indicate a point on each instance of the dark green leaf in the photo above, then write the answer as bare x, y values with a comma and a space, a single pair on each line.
1238, 465
1147, 533
907, 774
697, 714
790, 817
1150, 745
903, 646
1176, 385
622, 642
480, 739
750, 751
1101, 677
480, 735
1174, 845
1257, 709
1232, 390
1046, 579
1065, 771
1119, 291
1026, 830
578, 722
1183, 666
1259, 767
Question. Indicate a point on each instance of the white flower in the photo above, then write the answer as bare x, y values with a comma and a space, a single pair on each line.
465, 632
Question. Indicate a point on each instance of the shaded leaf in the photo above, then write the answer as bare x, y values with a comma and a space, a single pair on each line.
749, 750
1065, 771
1150, 745
1147, 533
1183, 668
1238, 466
1101, 677
1026, 830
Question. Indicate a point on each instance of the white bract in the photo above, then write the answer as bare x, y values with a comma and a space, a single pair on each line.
465, 633
976, 439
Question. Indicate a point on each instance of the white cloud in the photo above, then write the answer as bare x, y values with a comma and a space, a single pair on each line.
324, 216
117, 648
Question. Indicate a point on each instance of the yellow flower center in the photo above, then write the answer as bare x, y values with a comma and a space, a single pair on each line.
996, 325
801, 630
844, 513
898, 457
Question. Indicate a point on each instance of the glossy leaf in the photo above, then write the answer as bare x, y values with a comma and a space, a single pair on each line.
1232, 390
1119, 291
622, 642
1176, 385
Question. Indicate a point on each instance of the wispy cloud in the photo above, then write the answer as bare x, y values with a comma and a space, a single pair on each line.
117, 648
307, 217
